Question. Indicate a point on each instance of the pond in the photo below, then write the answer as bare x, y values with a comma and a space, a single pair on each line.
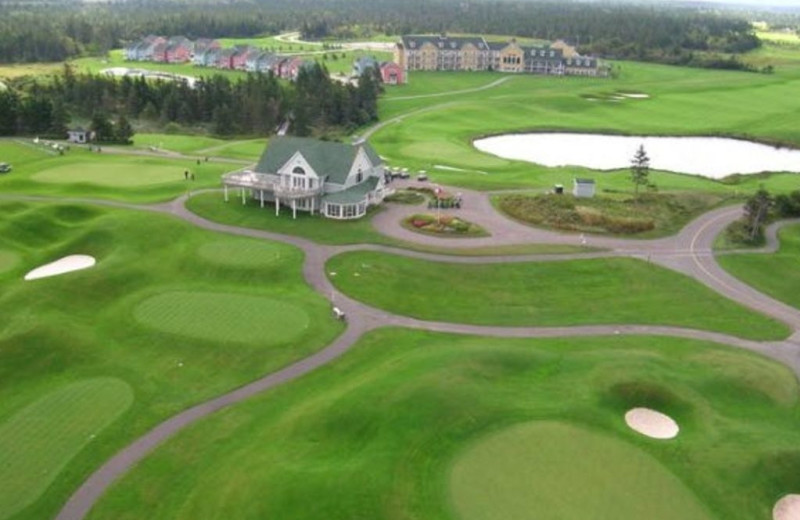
713, 157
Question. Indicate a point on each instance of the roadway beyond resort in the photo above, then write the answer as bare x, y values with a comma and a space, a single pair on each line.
690, 252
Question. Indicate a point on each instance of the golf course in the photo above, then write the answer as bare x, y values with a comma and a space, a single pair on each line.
170, 352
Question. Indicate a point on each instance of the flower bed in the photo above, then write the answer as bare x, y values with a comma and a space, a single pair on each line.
445, 225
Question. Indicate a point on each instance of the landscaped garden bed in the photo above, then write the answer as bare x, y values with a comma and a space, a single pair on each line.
650, 215
444, 225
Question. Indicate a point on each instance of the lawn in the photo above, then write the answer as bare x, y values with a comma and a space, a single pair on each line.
170, 316
81, 173
439, 130
774, 274
393, 429
211, 206
648, 216
578, 292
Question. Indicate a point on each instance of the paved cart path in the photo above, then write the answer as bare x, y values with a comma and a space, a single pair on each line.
689, 252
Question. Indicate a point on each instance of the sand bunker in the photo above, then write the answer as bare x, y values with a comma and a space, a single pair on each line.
635, 95
787, 508
651, 423
62, 266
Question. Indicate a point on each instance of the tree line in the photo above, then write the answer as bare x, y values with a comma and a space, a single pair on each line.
679, 35
257, 105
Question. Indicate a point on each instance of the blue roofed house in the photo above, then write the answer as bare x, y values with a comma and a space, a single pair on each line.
336, 180
362, 64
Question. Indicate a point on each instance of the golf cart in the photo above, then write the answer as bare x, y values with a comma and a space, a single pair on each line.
5, 167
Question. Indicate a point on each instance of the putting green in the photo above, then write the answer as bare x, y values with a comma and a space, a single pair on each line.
8, 260
107, 173
555, 471
224, 317
39, 440
240, 253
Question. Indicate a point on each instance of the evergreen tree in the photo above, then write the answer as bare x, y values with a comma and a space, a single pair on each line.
9, 112
640, 169
124, 130
102, 128
59, 121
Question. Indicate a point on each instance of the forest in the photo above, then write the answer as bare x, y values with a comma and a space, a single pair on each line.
680, 35
257, 105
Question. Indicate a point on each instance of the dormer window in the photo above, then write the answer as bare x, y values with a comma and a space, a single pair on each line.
298, 170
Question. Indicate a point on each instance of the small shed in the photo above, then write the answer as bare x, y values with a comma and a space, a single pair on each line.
78, 136
583, 188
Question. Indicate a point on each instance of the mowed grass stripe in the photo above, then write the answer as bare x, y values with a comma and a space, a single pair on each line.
578, 292
557, 471
39, 440
224, 317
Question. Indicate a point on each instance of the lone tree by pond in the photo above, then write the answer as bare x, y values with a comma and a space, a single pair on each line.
640, 169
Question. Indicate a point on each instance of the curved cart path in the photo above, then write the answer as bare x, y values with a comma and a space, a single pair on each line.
689, 252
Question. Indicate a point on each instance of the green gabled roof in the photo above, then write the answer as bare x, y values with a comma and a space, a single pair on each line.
353, 194
329, 159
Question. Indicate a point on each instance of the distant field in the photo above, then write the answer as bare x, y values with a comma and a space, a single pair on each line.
411, 424
438, 130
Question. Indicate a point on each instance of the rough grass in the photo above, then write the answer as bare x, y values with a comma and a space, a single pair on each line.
375, 434
68, 329
562, 471
224, 318
578, 292
8, 260
651, 215
40, 439
774, 274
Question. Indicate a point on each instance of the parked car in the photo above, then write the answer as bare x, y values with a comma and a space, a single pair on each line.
5, 167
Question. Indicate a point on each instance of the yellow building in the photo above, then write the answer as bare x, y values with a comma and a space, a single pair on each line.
441, 52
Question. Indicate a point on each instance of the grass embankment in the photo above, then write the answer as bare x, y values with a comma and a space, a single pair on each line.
648, 216
81, 173
202, 146
578, 292
774, 274
170, 316
382, 432
682, 101
337, 232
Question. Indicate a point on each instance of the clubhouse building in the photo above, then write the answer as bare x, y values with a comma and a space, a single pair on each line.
475, 53
336, 180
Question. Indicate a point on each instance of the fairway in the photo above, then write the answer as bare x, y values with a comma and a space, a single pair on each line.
557, 471
39, 440
774, 274
576, 292
236, 252
223, 317
377, 434
215, 324
119, 175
